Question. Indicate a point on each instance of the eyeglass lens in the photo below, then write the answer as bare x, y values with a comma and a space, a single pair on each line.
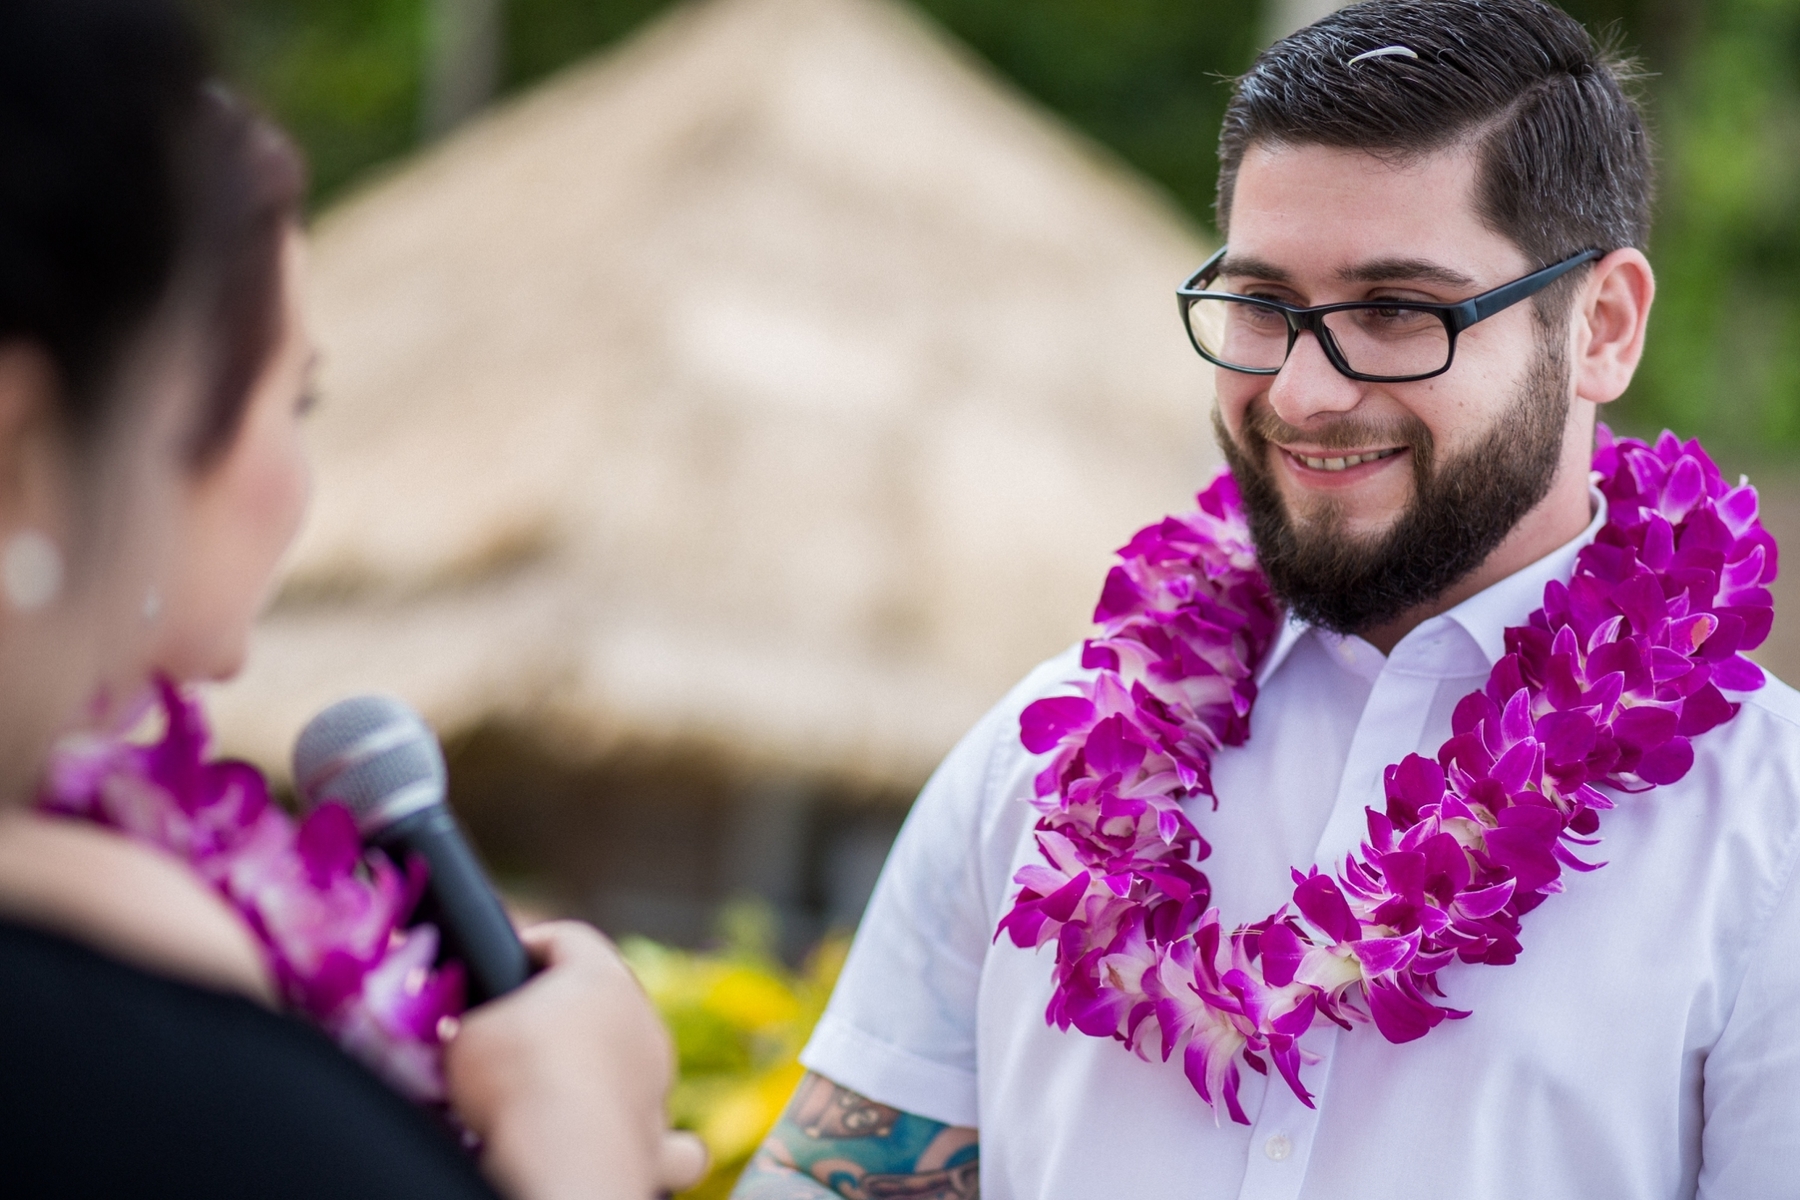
1373, 341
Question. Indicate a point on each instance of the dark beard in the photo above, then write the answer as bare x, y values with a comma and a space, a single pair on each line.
1460, 510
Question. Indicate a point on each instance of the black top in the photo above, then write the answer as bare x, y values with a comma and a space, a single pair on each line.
118, 1083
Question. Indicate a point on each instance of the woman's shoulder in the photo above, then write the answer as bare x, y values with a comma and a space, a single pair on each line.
121, 1081
126, 900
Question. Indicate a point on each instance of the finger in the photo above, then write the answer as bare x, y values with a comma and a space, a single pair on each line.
551, 943
682, 1162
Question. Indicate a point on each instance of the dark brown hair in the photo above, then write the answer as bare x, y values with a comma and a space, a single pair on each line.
243, 186
129, 181
1565, 160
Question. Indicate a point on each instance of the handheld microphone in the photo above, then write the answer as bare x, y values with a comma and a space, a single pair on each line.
376, 757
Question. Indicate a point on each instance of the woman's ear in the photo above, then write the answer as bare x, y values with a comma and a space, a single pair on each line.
1611, 313
34, 519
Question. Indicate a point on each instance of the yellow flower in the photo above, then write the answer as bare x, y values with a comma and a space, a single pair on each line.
739, 1018
754, 999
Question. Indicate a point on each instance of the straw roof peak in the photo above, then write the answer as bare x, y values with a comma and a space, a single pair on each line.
780, 380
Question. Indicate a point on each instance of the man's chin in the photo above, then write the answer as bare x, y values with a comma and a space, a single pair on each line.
1321, 520
1363, 514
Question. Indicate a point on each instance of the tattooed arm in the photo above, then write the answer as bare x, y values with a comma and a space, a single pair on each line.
832, 1142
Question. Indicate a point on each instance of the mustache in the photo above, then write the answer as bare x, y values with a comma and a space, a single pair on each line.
1261, 426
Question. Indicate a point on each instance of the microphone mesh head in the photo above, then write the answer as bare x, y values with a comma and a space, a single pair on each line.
372, 754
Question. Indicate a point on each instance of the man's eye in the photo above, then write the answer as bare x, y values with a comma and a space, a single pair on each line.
1394, 318
1255, 316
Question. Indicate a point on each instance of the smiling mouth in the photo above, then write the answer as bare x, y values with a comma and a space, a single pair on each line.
1341, 462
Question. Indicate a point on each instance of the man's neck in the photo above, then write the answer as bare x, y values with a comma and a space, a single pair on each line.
1557, 520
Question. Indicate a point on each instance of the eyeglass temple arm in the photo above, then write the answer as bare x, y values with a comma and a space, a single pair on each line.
1481, 307
1206, 268
1477, 308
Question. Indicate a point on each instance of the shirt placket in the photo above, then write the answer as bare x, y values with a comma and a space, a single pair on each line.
1392, 722
1282, 1139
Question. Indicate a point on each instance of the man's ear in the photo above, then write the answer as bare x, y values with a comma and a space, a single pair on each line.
1610, 314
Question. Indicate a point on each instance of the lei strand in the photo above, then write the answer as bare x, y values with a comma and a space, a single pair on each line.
328, 916
1604, 685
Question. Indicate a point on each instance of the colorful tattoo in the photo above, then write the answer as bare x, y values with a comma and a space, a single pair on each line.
833, 1142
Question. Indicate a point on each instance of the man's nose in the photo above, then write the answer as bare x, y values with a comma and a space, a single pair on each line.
1308, 385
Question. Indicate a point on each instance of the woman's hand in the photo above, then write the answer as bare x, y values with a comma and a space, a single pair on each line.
564, 1080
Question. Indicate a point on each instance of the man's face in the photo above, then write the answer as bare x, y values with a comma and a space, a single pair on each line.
1369, 499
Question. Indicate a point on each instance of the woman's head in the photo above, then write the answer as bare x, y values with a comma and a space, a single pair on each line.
241, 505
144, 225
247, 481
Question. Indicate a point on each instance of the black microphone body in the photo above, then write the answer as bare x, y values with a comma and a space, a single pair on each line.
378, 758
460, 901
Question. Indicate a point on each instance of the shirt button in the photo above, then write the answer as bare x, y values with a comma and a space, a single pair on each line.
1278, 1147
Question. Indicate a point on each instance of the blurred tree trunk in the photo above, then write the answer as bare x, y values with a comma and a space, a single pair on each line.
462, 62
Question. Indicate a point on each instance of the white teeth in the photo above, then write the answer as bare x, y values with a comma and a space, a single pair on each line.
1349, 460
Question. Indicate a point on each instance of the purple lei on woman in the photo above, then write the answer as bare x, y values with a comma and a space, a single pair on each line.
1602, 687
329, 918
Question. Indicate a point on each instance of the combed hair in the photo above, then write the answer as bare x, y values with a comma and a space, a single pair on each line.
1565, 160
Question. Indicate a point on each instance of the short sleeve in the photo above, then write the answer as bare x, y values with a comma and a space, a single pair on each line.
1752, 1075
901, 1026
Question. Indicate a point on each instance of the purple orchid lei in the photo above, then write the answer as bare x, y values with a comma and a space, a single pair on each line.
327, 916
1604, 686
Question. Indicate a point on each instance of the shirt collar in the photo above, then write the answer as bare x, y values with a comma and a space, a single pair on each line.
1292, 630
1487, 614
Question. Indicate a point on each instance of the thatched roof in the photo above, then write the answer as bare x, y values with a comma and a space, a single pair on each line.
780, 382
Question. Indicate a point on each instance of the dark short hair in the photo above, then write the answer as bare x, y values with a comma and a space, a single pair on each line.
1565, 162
241, 190
128, 179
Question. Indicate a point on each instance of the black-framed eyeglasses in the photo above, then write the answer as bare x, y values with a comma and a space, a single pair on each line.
1378, 341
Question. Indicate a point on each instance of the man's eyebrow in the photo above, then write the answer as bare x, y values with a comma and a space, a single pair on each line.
1245, 267
1404, 270
1379, 270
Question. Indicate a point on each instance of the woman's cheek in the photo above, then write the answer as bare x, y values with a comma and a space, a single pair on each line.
281, 484
293, 478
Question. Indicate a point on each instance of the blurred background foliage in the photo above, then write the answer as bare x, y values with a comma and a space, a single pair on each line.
739, 1017
1149, 79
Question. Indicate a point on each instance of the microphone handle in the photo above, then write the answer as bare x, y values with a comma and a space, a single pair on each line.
460, 901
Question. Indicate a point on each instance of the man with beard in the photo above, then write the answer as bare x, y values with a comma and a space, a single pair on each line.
1435, 213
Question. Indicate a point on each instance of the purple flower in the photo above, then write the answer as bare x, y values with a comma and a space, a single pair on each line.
1604, 687
327, 915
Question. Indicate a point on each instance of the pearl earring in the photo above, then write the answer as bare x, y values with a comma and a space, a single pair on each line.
152, 605
31, 570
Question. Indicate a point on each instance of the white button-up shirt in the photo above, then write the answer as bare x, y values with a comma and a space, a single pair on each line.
1646, 1043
